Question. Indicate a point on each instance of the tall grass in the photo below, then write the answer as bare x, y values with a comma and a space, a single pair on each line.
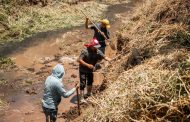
18, 22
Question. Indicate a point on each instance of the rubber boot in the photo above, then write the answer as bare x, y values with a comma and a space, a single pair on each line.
89, 90
82, 100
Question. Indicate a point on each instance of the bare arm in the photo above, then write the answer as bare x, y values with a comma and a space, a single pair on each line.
90, 66
61, 90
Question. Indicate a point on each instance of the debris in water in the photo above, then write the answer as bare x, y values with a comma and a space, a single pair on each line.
31, 69
74, 76
70, 81
31, 91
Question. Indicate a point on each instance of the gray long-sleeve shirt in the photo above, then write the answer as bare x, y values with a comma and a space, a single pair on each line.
54, 88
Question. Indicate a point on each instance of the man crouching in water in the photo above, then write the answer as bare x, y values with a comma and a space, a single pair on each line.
87, 61
53, 91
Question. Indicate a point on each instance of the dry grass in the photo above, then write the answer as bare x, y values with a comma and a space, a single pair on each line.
3, 104
155, 21
158, 89
143, 94
115, 1
19, 23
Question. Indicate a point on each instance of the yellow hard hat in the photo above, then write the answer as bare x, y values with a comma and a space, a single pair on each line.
106, 23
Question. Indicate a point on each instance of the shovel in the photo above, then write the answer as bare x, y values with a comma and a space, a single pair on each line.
110, 42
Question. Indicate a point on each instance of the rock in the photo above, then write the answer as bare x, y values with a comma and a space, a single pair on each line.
42, 72
70, 81
28, 113
16, 68
47, 60
31, 69
60, 48
31, 91
48, 65
41, 61
39, 72
29, 82
67, 59
57, 57
73, 64
74, 76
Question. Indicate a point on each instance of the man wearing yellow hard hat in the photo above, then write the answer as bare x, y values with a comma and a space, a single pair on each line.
101, 32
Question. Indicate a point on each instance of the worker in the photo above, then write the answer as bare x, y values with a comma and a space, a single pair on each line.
53, 92
87, 61
101, 32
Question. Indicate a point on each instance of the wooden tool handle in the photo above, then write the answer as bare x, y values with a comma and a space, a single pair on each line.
94, 25
78, 100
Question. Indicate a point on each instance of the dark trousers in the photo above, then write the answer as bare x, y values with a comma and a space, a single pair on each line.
51, 114
102, 48
85, 78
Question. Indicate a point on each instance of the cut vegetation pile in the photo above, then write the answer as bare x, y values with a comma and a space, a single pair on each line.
156, 88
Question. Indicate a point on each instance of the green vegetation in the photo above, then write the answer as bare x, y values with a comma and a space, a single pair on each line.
181, 37
16, 24
3, 105
3, 82
6, 63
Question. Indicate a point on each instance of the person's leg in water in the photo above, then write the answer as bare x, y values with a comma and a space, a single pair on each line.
89, 84
46, 112
53, 115
82, 86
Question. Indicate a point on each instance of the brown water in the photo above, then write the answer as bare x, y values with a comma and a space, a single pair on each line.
26, 107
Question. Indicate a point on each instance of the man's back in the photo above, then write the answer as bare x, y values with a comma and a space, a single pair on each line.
51, 96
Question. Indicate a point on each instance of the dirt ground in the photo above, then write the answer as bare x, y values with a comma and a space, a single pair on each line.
34, 63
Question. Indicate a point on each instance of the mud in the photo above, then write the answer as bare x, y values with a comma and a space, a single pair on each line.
73, 112
35, 58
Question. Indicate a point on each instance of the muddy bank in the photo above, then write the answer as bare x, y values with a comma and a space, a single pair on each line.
35, 39
24, 102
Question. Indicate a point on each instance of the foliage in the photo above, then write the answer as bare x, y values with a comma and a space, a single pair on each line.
16, 24
6, 62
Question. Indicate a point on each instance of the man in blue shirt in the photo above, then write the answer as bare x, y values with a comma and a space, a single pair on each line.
103, 26
53, 92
